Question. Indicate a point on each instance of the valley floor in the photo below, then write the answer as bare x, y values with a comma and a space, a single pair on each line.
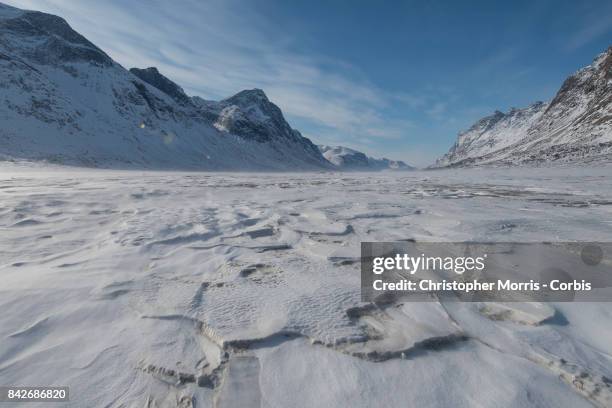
239, 290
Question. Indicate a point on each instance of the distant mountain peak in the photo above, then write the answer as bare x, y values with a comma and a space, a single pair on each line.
345, 158
254, 94
249, 98
251, 115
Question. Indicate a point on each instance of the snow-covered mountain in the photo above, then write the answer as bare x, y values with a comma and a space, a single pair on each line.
576, 126
62, 99
345, 158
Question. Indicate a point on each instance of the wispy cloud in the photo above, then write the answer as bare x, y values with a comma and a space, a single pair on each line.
595, 26
437, 110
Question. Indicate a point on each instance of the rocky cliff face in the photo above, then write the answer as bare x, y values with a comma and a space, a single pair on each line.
250, 115
64, 100
153, 77
575, 126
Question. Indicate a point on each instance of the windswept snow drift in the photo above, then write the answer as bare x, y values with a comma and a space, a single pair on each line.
191, 289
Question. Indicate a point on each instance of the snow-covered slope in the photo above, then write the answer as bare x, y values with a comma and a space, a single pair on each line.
576, 126
345, 158
62, 99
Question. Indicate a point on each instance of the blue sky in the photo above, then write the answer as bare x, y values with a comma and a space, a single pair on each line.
398, 79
